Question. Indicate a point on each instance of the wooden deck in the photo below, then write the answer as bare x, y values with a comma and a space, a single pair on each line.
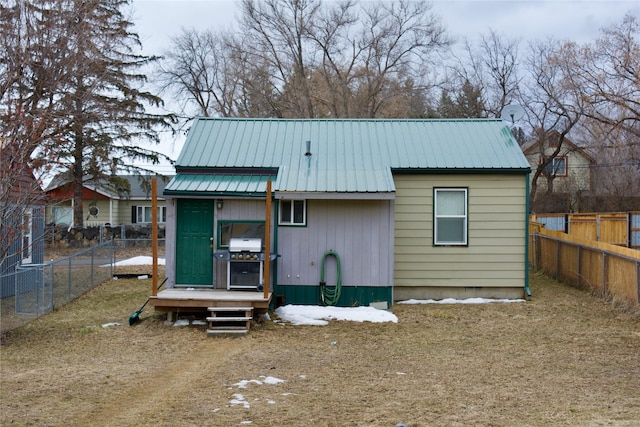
183, 300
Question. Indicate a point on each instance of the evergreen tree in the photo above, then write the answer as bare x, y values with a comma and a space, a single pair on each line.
100, 103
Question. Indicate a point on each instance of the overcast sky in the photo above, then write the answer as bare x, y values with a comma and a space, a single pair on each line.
158, 20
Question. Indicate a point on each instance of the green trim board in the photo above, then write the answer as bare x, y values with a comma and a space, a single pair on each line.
350, 296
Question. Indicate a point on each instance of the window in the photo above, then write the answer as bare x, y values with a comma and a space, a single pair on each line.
556, 167
450, 216
143, 214
237, 229
62, 215
293, 212
27, 237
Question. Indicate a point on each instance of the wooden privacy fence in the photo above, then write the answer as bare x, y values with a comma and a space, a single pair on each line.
608, 269
622, 229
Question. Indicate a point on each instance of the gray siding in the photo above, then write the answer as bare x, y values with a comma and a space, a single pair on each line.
360, 231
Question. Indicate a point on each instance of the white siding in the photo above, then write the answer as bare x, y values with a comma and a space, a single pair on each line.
495, 255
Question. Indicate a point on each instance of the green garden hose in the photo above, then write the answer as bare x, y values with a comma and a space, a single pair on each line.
330, 295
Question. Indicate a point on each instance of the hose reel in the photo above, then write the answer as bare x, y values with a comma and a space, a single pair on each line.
329, 295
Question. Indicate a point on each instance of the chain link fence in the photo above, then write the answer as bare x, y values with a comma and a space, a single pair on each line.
35, 289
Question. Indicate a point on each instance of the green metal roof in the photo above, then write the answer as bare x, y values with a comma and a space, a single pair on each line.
216, 185
347, 155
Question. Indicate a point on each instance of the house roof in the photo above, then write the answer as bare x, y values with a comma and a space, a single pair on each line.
533, 146
346, 155
139, 188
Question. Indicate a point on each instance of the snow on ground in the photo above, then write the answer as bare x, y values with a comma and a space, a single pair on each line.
138, 260
458, 301
315, 315
240, 399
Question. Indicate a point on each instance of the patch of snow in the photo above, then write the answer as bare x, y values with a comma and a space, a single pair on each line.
238, 399
272, 380
263, 380
199, 322
138, 260
109, 325
316, 315
459, 301
271, 402
266, 316
245, 383
181, 322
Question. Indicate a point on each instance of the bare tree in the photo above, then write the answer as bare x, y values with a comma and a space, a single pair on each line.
492, 66
553, 102
199, 69
609, 73
33, 70
276, 37
307, 58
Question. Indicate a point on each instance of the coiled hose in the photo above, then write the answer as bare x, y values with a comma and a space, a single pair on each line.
329, 295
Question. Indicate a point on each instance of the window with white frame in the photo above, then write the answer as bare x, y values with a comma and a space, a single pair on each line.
62, 215
450, 216
556, 167
27, 237
143, 214
293, 212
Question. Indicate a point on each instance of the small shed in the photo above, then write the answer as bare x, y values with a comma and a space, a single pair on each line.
377, 210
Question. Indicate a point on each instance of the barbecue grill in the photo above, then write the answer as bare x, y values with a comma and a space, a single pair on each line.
245, 264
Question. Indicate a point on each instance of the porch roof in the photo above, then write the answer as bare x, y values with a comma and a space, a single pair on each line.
217, 184
317, 184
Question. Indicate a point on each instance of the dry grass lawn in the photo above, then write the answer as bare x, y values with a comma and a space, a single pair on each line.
562, 358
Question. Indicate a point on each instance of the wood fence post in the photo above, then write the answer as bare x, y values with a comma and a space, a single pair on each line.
557, 258
604, 274
638, 282
579, 266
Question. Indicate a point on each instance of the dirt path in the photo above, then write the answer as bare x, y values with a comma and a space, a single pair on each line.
564, 357
166, 386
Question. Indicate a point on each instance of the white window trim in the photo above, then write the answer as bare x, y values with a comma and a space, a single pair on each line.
292, 223
144, 208
465, 216
27, 235
553, 168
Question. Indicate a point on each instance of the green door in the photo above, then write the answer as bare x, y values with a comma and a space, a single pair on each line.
194, 247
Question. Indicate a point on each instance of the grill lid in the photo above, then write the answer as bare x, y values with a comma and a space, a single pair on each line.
245, 245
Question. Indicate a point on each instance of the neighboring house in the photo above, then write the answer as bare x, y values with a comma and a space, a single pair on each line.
21, 224
570, 171
126, 200
412, 208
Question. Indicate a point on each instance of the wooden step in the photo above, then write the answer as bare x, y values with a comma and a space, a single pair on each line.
229, 319
235, 331
221, 309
